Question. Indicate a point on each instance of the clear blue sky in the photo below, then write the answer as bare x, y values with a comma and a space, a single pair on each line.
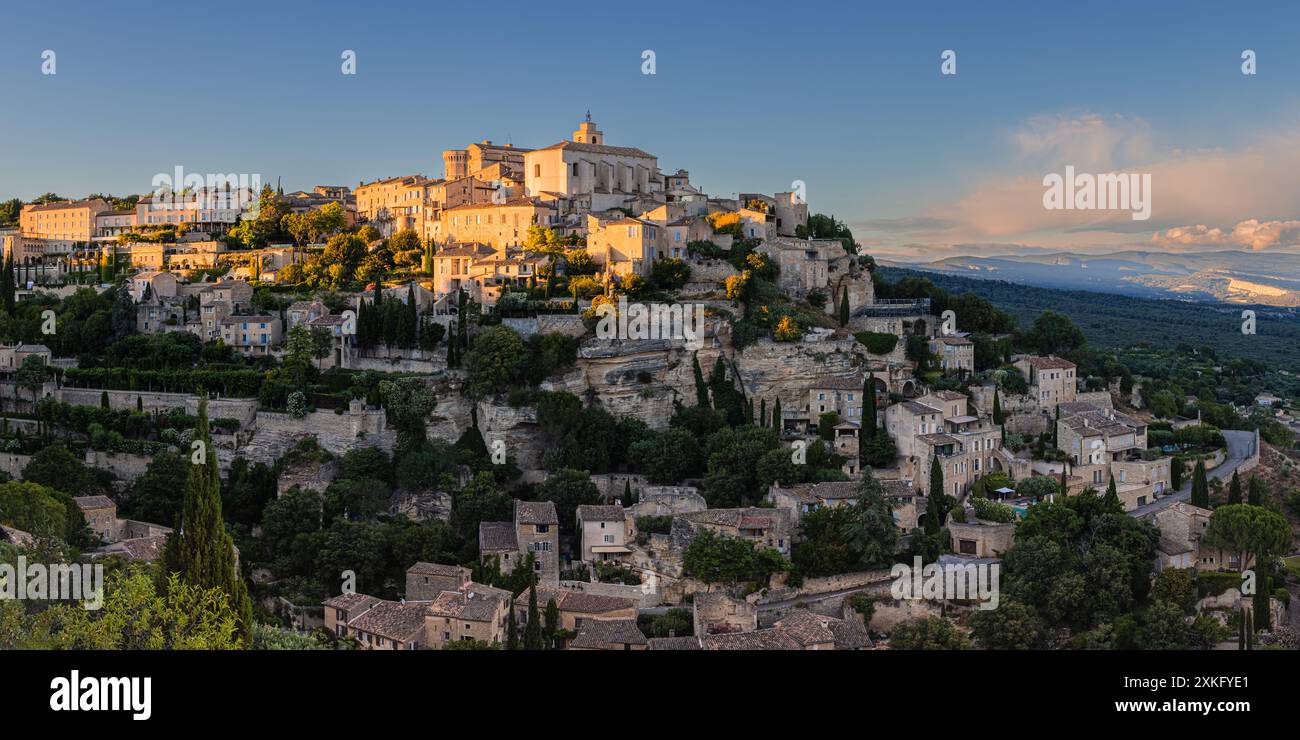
748, 96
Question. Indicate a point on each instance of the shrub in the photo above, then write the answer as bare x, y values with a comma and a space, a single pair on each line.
877, 343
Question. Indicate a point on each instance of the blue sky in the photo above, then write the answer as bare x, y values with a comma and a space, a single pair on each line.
748, 96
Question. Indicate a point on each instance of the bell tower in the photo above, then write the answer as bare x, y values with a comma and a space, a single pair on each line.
587, 132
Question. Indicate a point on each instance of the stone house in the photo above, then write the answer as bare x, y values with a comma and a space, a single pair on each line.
251, 334
605, 531
801, 498
390, 625
425, 581
1181, 528
836, 394
716, 612
956, 354
471, 612
1052, 380
535, 529
135, 540
1107, 444
766, 528
576, 607
342, 609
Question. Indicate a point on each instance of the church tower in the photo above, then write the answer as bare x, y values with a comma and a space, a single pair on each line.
587, 132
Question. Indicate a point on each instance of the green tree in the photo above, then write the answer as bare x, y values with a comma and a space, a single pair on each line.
533, 639
1254, 533
552, 624
1257, 491
701, 388
494, 362
844, 308
1012, 626
1200, 487
934, 505
1234, 489
929, 633
136, 615
201, 550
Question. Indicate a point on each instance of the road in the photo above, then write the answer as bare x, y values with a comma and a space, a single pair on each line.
1240, 445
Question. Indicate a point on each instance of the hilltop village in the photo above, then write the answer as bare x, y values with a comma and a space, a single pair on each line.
422, 438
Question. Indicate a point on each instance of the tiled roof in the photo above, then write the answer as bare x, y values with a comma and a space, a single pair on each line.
918, 408
623, 151
86, 503
599, 634
348, 602
768, 639
436, 569
1051, 362
810, 629
536, 512
477, 603
751, 518
674, 643
833, 490
852, 383
948, 396
497, 536
581, 602
592, 513
138, 549
393, 620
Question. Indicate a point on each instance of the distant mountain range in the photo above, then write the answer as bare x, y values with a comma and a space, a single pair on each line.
1262, 278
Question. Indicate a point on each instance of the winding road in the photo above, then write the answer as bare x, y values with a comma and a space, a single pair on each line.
1240, 446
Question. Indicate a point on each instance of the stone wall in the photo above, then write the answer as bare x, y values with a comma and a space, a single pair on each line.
124, 465
645, 596
13, 464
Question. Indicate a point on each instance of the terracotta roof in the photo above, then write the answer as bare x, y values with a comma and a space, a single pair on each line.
138, 549
497, 536
536, 512
625, 151
674, 643
810, 629
87, 503
582, 602
768, 639
476, 603
599, 634
1051, 362
852, 383
436, 569
592, 513
918, 408
348, 602
393, 620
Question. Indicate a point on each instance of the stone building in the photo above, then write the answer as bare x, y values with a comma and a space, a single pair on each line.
424, 581
609, 634
1052, 380
605, 532
980, 538
535, 530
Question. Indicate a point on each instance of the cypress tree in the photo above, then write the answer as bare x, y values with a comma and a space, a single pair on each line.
1260, 601
776, 416
1257, 491
1112, 496
512, 630
1058, 421
533, 630
1234, 489
1176, 469
392, 319
934, 513
701, 390
7, 284
762, 412
844, 308
462, 327
103, 399
997, 408
200, 549
552, 624
408, 320
1200, 488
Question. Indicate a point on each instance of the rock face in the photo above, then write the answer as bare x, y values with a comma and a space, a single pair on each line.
420, 507
771, 370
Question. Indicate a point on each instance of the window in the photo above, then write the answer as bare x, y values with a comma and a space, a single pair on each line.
609, 539
537, 170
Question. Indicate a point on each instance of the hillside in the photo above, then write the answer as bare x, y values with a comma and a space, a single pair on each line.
1110, 320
